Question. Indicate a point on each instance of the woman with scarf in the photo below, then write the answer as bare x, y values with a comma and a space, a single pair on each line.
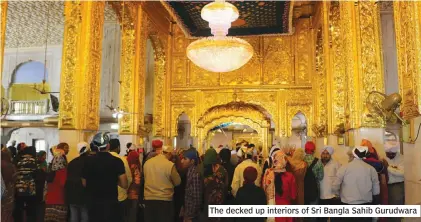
134, 187
280, 186
25, 185
8, 172
373, 159
215, 182
56, 209
269, 160
298, 167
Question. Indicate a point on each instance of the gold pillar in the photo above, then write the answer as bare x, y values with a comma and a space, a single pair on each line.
320, 84
81, 65
364, 64
3, 19
408, 41
132, 69
337, 78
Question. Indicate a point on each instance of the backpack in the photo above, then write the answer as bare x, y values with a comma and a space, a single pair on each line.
311, 190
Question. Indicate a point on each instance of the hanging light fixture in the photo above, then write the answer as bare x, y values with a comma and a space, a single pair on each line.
220, 53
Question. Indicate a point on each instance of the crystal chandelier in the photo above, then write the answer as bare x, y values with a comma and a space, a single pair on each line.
220, 53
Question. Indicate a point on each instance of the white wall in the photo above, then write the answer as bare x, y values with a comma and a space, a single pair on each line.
110, 68
221, 139
54, 54
27, 135
389, 53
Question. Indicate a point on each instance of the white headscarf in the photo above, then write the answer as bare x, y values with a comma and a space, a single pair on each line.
391, 146
359, 149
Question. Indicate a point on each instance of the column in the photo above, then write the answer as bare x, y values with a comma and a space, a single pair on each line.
408, 41
363, 69
81, 64
3, 19
132, 70
364, 64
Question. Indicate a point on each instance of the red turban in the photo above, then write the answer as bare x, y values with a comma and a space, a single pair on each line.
156, 144
310, 147
250, 175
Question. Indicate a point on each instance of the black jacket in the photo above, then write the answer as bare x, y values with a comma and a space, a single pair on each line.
75, 191
250, 194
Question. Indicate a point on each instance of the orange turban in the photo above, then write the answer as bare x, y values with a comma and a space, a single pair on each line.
156, 144
310, 147
368, 144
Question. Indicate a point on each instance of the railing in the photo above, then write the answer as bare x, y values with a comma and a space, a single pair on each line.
37, 107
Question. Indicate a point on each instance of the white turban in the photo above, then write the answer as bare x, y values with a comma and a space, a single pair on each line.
360, 150
328, 148
391, 146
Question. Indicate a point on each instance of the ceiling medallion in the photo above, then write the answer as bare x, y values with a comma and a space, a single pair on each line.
220, 53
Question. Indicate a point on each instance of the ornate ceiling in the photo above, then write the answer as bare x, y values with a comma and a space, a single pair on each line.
27, 23
256, 18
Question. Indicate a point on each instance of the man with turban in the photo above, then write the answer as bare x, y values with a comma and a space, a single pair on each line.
238, 179
314, 175
156, 149
327, 195
161, 177
396, 187
357, 182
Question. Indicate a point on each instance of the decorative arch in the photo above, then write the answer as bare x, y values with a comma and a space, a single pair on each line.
35, 77
292, 111
245, 113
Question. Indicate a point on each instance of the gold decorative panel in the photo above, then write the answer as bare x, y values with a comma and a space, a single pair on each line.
303, 52
408, 41
180, 42
182, 97
179, 71
201, 77
278, 60
249, 74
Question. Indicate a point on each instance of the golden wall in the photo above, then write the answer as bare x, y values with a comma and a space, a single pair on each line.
277, 78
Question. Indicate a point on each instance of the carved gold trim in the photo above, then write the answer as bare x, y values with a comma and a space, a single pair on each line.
408, 42
3, 19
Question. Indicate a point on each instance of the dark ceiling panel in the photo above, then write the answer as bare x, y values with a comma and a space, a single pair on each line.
256, 17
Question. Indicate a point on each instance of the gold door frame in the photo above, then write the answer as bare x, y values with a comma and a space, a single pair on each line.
240, 112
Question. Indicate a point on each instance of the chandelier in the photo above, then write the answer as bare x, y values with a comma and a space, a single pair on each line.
220, 53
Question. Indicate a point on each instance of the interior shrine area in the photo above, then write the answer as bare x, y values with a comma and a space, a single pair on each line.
154, 110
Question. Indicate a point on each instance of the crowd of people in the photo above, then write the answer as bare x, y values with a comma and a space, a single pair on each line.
178, 185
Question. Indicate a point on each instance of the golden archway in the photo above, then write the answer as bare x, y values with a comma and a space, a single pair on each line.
240, 112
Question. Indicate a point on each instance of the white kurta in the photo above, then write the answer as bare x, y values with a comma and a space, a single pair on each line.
238, 178
330, 170
396, 169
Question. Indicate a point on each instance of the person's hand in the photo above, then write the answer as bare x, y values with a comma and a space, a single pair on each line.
187, 220
385, 163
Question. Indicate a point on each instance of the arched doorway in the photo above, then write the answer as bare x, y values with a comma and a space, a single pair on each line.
234, 113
